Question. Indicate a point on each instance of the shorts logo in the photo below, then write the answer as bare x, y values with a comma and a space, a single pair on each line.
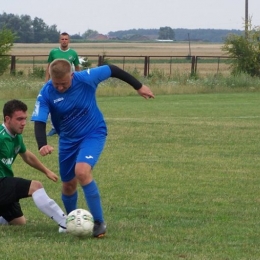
89, 157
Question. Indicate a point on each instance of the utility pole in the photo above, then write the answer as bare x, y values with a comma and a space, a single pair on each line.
246, 18
189, 45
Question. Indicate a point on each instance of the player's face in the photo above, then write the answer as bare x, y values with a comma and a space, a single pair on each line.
16, 123
64, 42
62, 84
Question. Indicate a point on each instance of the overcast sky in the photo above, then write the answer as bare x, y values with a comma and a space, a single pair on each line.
113, 15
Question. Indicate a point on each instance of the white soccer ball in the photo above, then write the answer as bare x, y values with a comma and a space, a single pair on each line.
80, 223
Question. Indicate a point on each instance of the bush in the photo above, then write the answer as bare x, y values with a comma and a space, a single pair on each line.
37, 72
6, 42
245, 52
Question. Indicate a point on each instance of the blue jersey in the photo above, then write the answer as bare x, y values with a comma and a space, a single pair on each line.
74, 113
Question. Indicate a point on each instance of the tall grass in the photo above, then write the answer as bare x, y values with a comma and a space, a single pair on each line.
161, 83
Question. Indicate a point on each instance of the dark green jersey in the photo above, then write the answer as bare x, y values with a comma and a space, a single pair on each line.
10, 146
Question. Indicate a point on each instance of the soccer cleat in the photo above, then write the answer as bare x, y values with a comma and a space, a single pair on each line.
62, 229
52, 132
99, 229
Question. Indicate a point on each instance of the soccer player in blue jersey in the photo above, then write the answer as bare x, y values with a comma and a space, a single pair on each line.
71, 101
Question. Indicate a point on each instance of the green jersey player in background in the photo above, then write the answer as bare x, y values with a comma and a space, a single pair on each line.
62, 52
12, 189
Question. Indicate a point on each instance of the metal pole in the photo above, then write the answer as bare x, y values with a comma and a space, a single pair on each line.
189, 44
246, 18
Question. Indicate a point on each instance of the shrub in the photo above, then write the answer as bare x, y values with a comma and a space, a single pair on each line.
245, 52
6, 42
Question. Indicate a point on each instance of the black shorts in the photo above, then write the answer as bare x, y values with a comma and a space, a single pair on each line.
12, 189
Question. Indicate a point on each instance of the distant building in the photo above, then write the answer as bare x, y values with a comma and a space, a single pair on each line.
98, 37
158, 40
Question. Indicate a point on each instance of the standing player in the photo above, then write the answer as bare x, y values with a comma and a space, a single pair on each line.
70, 98
62, 52
12, 189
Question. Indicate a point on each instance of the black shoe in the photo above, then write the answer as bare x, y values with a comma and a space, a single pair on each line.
99, 229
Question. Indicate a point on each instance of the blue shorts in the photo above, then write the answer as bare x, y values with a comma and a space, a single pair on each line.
87, 151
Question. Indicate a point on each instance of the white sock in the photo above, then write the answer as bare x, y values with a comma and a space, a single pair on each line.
49, 207
3, 221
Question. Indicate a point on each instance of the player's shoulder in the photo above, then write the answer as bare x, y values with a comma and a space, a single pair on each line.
46, 89
2, 131
4, 135
55, 50
73, 51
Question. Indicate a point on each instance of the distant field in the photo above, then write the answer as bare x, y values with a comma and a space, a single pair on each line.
140, 50
115, 48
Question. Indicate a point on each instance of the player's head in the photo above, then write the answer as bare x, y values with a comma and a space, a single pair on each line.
64, 40
61, 74
15, 115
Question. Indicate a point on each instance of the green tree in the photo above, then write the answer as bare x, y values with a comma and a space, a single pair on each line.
29, 30
245, 52
166, 33
7, 38
89, 33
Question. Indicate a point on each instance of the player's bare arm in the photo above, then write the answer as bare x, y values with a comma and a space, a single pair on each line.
145, 92
34, 162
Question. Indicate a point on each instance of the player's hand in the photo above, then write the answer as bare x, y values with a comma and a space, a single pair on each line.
145, 92
45, 150
52, 176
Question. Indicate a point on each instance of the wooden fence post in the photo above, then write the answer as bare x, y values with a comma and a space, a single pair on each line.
12, 69
146, 59
100, 60
193, 65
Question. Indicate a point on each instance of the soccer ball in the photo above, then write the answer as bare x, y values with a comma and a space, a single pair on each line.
80, 223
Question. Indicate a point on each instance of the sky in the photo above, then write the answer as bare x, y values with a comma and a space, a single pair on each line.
78, 16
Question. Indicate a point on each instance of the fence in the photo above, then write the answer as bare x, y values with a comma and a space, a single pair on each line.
148, 64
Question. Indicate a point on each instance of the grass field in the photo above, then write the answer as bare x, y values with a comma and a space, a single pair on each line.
179, 179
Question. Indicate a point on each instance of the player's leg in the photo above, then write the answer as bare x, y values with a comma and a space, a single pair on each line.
10, 209
13, 189
12, 214
90, 151
45, 204
67, 157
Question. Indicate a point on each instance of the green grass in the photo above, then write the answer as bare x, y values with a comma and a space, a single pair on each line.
179, 179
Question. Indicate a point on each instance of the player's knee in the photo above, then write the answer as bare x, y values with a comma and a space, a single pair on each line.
83, 171
35, 185
69, 187
18, 221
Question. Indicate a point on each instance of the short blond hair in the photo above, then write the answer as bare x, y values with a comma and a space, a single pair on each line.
59, 68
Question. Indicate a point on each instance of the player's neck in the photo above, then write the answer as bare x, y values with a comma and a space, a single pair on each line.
64, 48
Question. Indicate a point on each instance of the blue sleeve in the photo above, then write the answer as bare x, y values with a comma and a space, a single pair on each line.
41, 109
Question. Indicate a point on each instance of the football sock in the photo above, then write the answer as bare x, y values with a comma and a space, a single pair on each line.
70, 201
3, 221
92, 196
49, 207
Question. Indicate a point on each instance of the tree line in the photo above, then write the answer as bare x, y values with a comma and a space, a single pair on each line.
28, 30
